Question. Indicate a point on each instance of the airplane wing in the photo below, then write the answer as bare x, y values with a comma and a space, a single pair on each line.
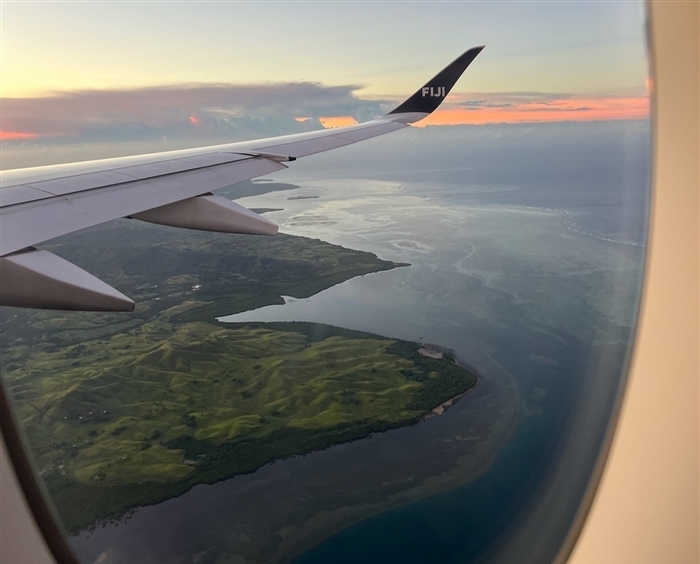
172, 188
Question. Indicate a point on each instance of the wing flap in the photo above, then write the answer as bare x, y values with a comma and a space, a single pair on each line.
160, 168
212, 159
20, 194
12, 195
360, 134
306, 148
79, 183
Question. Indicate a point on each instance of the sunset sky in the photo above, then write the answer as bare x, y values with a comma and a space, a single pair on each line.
119, 71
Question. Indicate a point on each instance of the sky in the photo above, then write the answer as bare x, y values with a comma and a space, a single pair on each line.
183, 73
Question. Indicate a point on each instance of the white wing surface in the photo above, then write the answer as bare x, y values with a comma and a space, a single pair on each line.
172, 188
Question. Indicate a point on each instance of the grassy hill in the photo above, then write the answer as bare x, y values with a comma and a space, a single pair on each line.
149, 412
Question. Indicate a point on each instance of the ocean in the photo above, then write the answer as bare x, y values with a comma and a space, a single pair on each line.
526, 248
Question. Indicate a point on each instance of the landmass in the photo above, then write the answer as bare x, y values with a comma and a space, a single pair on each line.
125, 411
150, 412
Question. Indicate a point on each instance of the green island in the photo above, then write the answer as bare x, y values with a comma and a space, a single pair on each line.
123, 411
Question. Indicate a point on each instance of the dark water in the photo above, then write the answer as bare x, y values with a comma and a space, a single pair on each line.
458, 526
469, 523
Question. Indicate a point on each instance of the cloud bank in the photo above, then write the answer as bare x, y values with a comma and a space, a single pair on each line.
211, 111
524, 107
90, 124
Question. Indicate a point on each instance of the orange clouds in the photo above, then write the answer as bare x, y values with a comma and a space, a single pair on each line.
16, 135
250, 111
566, 109
525, 107
337, 121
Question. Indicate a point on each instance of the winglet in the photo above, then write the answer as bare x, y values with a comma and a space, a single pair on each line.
431, 95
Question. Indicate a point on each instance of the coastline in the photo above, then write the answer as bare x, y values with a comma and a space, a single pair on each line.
479, 425
446, 405
570, 226
467, 469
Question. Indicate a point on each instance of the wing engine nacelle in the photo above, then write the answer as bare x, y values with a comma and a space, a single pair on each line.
209, 213
40, 279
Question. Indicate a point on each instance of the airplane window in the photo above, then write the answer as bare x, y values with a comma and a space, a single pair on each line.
419, 367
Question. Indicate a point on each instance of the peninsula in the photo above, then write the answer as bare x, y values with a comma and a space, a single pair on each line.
125, 411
